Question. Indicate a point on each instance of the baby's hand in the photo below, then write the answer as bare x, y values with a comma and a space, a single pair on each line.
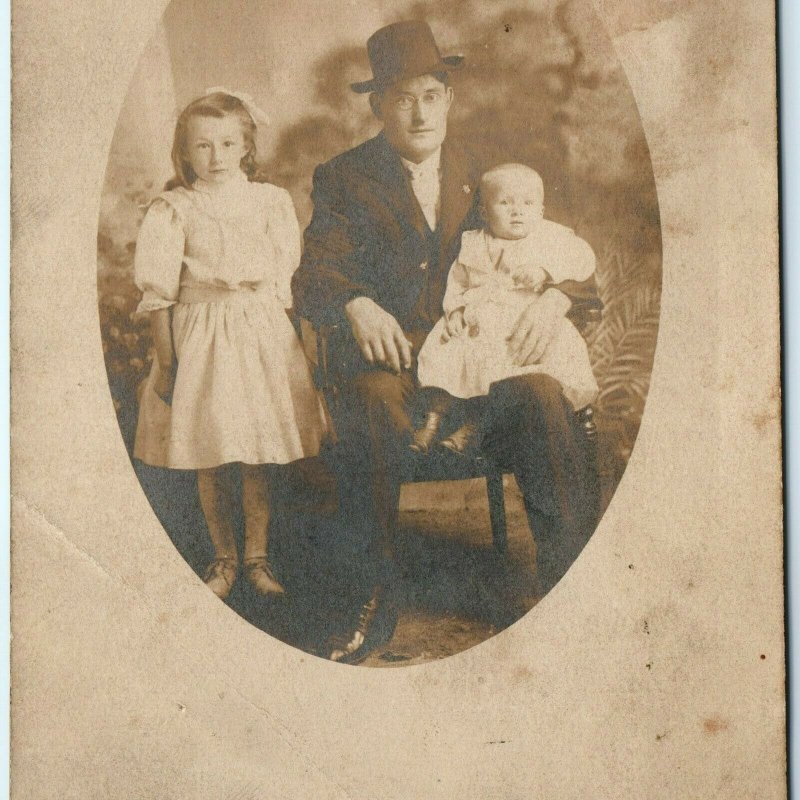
524, 280
454, 325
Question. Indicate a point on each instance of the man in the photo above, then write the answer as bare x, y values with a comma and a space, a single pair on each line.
387, 224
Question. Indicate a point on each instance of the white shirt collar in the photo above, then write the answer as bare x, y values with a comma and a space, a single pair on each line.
430, 166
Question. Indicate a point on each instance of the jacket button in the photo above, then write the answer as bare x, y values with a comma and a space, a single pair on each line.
423, 266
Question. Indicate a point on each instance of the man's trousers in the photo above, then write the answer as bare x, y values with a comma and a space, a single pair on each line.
527, 427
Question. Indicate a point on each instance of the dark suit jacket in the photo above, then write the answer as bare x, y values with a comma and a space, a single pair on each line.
368, 237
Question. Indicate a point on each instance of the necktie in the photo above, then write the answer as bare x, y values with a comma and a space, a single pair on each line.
425, 185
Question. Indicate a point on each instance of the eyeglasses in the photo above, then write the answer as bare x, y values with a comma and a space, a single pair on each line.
405, 102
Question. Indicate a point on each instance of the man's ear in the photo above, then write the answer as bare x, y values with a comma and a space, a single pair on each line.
449, 94
375, 101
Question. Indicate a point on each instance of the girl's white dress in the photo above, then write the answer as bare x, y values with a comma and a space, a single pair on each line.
494, 290
222, 257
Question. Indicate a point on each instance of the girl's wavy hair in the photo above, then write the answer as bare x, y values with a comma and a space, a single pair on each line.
218, 104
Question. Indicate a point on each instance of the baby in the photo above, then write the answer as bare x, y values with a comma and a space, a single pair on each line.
500, 271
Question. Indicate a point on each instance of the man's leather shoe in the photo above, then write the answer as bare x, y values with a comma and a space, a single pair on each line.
374, 628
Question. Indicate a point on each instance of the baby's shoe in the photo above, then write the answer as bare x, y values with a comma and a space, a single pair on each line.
221, 575
459, 441
424, 436
258, 571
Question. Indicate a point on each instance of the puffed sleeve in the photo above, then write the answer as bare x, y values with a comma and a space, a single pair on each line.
285, 235
570, 258
159, 257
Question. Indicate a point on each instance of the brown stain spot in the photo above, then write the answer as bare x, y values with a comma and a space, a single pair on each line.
720, 65
522, 673
760, 421
772, 412
714, 725
763, 657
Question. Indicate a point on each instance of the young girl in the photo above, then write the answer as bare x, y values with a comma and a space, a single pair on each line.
230, 383
499, 272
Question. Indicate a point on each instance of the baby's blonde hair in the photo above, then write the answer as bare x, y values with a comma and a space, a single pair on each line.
495, 174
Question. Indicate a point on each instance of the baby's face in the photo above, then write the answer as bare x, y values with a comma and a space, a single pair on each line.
512, 204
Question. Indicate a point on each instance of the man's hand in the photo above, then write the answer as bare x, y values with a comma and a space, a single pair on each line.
454, 325
378, 334
536, 327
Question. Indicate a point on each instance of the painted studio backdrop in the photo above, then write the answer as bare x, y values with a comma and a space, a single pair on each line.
541, 85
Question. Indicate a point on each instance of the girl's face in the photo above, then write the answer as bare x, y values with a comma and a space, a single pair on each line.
215, 147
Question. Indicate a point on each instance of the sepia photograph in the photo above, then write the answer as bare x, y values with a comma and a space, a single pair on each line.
379, 307
437, 339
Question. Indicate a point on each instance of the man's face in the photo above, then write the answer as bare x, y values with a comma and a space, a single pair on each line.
511, 205
414, 115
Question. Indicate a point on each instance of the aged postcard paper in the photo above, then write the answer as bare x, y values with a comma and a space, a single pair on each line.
396, 400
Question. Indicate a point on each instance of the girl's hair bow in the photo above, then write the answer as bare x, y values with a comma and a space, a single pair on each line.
259, 117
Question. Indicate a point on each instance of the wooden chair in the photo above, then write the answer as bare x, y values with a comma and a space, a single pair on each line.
442, 465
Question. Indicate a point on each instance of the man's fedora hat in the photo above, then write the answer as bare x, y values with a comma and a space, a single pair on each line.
403, 50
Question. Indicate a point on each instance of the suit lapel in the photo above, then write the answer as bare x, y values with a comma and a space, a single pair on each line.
385, 167
457, 191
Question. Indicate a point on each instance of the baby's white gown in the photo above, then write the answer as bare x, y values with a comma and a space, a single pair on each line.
493, 300
222, 257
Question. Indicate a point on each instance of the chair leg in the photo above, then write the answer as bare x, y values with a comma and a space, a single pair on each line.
589, 427
497, 510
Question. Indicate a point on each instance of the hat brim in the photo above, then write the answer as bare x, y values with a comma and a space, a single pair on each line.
447, 64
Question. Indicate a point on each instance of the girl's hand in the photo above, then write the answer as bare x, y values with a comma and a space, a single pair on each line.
165, 385
454, 325
161, 324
